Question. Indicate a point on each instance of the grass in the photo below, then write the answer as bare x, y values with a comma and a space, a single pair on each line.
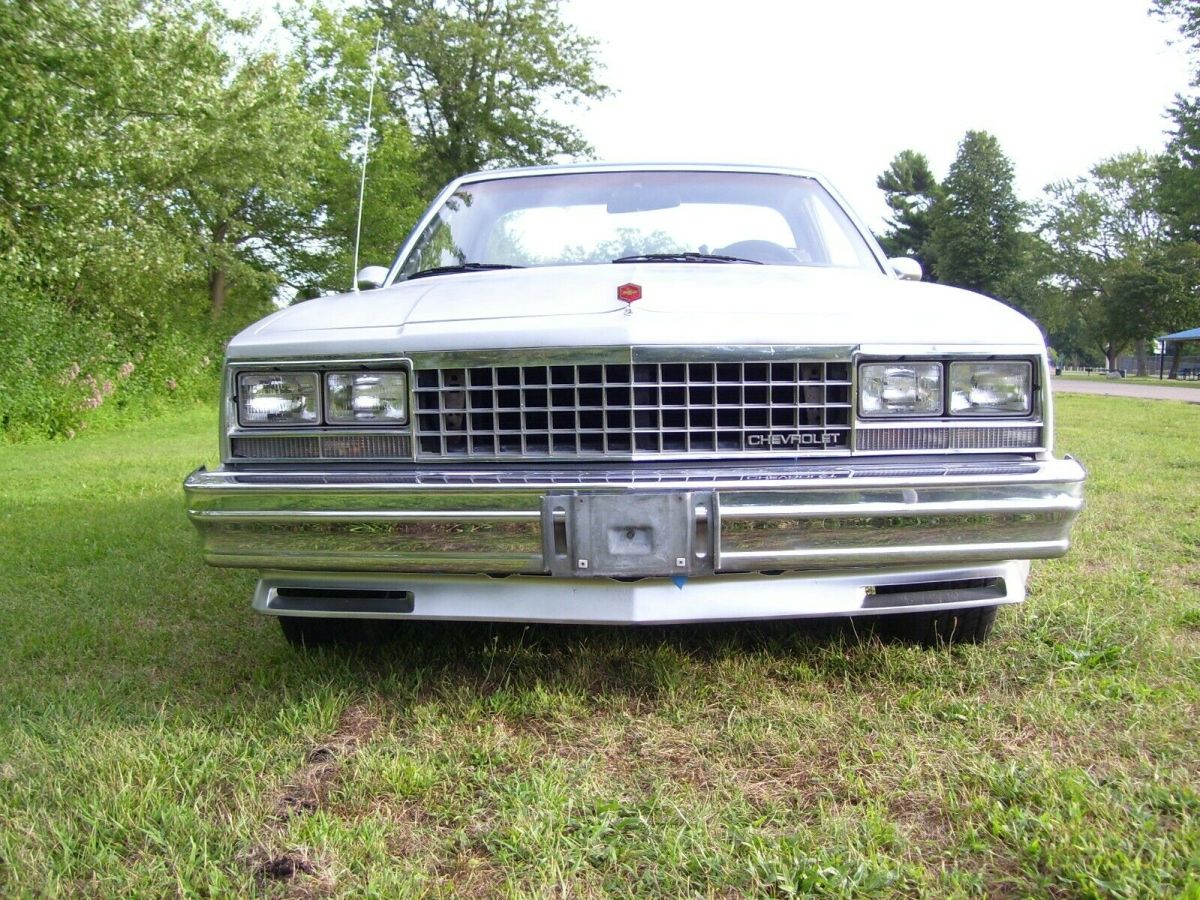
156, 737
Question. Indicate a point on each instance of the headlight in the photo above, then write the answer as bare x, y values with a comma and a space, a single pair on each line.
991, 388
900, 389
278, 398
366, 398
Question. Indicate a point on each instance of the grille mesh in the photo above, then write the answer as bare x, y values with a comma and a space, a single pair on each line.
581, 411
942, 438
276, 448
340, 446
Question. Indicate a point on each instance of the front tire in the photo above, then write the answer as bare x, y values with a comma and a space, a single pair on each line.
310, 631
936, 629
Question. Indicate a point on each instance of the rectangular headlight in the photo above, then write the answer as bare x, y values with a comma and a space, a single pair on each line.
900, 389
991, 388
279, 398
366, 398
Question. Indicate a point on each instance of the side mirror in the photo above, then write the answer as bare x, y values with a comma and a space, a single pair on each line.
905, 267
370, 277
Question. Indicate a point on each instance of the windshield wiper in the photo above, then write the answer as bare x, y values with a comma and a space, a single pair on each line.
461, 267
686, 257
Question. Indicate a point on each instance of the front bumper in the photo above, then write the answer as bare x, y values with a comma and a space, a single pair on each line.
934, 520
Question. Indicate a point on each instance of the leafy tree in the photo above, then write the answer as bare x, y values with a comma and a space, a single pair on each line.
1178, 190
471, 78
911, 191
1111, 246
337, 50
977, 222
244, 196
1186, 13
461, 86
1178, 194
141, 149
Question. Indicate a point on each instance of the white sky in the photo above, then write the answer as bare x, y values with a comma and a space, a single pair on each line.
841, 87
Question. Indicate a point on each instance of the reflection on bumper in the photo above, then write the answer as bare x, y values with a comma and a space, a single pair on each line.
749, 520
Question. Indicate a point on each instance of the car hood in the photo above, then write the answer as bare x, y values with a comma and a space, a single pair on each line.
701, 304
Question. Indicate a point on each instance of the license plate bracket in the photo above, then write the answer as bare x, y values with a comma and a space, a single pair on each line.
627, 535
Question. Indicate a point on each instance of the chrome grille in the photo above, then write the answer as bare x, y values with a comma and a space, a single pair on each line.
633, 409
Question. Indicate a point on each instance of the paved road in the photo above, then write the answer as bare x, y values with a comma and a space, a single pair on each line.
1116, 388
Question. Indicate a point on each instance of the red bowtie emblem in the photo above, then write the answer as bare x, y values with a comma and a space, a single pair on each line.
629, 292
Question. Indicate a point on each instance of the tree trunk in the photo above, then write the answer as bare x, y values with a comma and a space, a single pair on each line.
217, 290
1111, 353
1175, 358
1140, 346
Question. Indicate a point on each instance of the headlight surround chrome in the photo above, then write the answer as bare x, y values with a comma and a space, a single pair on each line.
900, 389
366, 398
991, 388
278, 398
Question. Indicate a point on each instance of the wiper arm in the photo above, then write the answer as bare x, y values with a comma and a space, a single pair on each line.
461, 267
686, 257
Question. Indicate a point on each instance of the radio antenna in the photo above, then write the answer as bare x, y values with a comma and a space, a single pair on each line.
362, 181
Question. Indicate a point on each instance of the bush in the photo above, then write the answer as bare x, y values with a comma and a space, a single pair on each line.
61, 373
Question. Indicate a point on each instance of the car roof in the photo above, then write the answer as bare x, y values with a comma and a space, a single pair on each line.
526, 171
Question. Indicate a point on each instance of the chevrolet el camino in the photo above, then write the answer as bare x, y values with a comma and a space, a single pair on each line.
638, 394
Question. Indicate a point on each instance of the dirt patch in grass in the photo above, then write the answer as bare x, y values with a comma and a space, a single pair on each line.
305, 792
307, 788
282, 866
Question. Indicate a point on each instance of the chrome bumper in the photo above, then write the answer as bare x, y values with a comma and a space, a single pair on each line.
683, 522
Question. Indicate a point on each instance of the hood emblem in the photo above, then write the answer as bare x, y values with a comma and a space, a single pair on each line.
629, 292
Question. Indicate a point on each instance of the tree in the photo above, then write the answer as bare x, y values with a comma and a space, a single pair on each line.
337, 50
1186, 14
244, 195
977, 222
472, 78
146, 160
1111, 245
1178, 193
911, 191
462, 85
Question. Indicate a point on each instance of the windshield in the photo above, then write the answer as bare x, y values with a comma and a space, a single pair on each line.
580, 218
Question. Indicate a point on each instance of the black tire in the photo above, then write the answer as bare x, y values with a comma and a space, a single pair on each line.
309, 631
937, 629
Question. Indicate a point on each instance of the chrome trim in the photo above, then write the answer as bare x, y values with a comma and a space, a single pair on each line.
789, 516
323, 445
946, 437
642, 353
656, 354
948, 423
231, 427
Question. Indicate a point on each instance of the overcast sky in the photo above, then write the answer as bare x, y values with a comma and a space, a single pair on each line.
841, 87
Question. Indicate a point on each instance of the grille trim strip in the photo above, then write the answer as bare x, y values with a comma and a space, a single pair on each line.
321, 446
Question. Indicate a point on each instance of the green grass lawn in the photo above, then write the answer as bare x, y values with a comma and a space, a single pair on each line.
158, 738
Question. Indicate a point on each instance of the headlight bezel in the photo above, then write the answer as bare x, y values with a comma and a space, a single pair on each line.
239, 374
946, 411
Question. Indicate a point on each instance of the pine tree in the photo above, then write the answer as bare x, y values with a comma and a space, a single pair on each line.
977, 222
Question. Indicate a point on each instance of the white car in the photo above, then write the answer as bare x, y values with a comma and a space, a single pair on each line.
638, 394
